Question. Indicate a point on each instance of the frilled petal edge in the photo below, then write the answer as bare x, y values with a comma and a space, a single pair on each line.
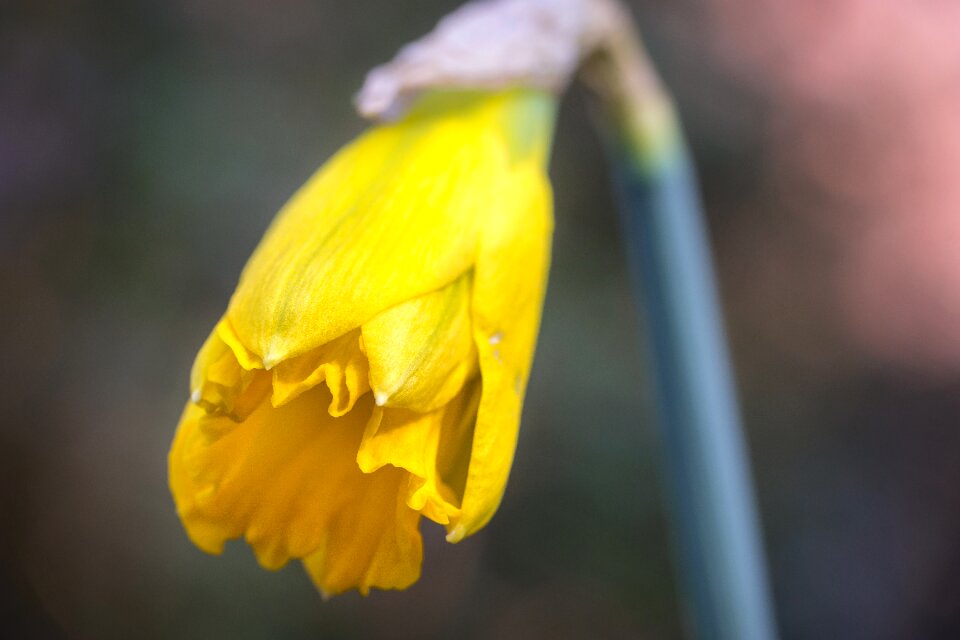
286, 480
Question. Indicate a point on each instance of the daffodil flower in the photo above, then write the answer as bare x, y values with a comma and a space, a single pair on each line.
371, 366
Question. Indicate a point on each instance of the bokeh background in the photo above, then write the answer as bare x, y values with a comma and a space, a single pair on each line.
144, 147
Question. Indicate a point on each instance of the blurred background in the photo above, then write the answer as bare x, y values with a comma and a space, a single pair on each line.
145, 146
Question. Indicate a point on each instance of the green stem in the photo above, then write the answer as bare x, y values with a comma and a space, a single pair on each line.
718, 541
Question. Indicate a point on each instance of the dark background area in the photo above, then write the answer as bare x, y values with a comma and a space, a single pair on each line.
145, 146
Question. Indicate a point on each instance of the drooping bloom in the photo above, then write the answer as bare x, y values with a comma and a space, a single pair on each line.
371, 366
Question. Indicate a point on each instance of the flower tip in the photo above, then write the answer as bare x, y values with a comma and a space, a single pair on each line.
457, 534
270, 360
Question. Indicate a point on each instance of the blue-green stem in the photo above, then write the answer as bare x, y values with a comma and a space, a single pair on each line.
723, 577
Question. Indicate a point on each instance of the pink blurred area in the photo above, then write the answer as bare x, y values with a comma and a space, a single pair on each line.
863, 141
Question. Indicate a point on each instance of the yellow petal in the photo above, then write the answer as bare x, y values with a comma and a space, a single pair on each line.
220, 385
340, 363
393, 216
287, 480
509, 285
434, 447
421, 351
377, 544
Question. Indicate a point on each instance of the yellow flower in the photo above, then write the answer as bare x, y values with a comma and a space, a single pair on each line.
408, 276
